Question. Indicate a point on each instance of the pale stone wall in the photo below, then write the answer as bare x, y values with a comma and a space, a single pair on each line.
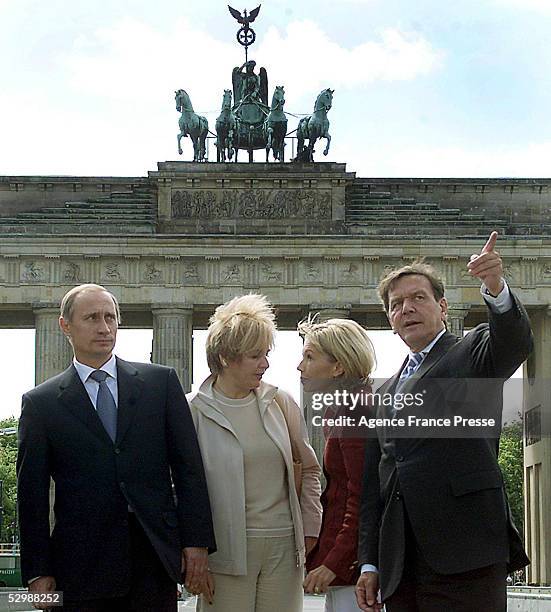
207, 232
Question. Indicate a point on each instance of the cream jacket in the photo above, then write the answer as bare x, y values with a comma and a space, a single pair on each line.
223, 461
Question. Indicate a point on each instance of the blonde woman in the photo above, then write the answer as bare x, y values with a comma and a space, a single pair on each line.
337, 355
245, 428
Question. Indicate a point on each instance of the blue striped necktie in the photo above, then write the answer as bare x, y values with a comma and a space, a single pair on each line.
415, 360
105, 404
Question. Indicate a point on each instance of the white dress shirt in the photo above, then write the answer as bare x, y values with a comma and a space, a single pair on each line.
92, 386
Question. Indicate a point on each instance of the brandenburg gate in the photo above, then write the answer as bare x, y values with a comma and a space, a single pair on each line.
176, 243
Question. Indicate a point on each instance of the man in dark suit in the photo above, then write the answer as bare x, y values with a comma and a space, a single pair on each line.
119, 442
435, 520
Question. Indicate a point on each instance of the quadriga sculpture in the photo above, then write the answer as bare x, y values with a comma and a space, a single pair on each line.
192, 125
315, 126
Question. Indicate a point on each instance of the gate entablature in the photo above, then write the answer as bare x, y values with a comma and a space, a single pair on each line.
233, 199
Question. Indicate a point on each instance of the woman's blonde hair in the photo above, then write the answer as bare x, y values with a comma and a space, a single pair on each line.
344, 341
245, 323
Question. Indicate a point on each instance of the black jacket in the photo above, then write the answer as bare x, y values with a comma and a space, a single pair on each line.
61, 436
451, 487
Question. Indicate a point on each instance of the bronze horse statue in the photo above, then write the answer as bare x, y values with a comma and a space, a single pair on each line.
315, 126
225, 128
275, 126
192, 125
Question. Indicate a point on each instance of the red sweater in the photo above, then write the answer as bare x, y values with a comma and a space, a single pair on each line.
337, 546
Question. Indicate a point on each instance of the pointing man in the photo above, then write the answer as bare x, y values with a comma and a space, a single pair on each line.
434, 520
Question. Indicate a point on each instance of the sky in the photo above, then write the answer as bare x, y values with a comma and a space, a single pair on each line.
422, 89
425, 88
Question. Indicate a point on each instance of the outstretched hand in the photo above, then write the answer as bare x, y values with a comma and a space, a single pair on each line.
487, 266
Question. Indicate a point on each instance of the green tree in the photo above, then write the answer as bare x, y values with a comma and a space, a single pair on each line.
511, 461
8, 455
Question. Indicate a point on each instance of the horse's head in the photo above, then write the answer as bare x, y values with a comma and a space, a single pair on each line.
324, 100
182, 100
226, 99
278, 99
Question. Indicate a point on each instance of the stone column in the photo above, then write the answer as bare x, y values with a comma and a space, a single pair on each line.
456, 318
173, 341
537, 450
53, 352
326, 312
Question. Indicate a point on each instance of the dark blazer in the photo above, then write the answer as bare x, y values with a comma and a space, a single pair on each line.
451, 488
60, 435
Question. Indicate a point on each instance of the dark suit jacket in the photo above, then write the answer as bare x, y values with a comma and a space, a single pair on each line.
60, 435
451, 488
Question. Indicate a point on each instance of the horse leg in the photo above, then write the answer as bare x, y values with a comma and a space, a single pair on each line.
180, 136
230, 145
328, 138
300, 147
310, 148
269, 145
202, 148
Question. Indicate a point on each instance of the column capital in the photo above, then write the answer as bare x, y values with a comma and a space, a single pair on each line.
160, 308
459, 310
331, 311
456, 318
45, 308
329, 306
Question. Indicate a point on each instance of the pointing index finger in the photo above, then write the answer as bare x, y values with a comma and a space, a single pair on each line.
490, 244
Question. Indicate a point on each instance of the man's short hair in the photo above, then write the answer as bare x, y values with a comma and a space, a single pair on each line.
68, 301
245, 323
419, 268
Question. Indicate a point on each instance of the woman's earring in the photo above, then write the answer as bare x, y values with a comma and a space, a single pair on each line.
223, 362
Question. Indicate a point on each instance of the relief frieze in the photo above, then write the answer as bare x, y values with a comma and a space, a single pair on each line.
71, 274
112, 272
311, 271
231, 273
190, 272
152, 273
270, 274
251, 204
350, 272
33, 272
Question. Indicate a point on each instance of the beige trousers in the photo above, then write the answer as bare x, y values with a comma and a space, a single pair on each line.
273, 582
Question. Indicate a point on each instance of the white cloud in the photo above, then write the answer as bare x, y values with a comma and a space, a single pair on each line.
133, 61
540, 6
396, 56
530, 160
